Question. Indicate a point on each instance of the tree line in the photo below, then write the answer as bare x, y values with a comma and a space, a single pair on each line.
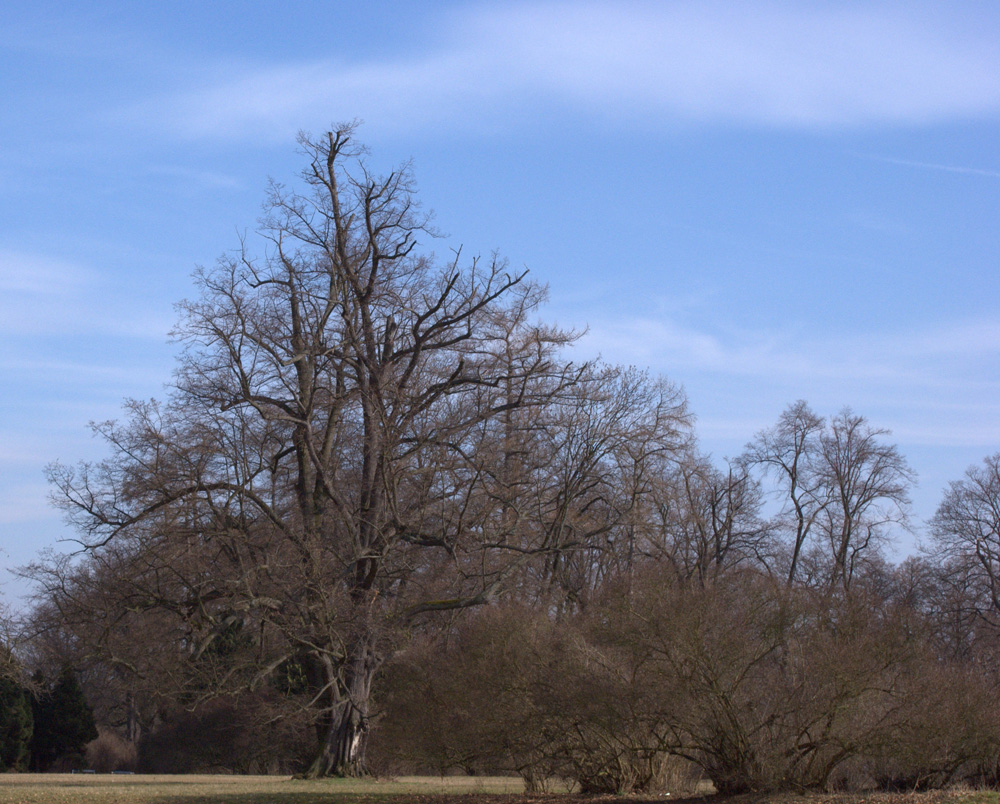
384, 521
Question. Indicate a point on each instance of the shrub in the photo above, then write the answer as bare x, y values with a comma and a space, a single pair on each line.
109, 753
227, 735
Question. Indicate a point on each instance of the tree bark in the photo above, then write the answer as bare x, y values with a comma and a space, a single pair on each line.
342, 731
341, 749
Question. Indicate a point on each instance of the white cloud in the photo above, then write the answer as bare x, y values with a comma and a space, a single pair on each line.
25, 502
764, 62
935, 387
767, 64
40, 275
40, 294
789, 354
199, 179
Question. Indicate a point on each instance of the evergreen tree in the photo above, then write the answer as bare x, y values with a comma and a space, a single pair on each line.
15, 725
64, 723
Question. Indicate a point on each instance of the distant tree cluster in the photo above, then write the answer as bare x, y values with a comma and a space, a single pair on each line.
384, 523
43, 726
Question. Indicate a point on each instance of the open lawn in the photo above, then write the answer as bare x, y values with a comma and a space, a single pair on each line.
67, 788
141, 789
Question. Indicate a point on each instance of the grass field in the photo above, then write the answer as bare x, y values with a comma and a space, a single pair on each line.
66, 788
141, 789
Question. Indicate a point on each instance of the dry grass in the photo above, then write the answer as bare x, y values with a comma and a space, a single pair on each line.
66, 788
142, 789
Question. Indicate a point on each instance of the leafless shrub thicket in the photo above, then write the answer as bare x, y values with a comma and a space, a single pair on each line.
742, 680
110, 752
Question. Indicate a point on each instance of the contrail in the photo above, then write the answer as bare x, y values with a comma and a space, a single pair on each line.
995, 174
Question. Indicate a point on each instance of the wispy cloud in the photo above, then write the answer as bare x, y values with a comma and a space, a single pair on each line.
40, 294
940, 384
200, 179
764, 64
970, 171
24, 503
788, 355
26, 273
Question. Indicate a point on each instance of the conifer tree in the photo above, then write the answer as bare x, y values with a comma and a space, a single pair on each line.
16, 723
64, 723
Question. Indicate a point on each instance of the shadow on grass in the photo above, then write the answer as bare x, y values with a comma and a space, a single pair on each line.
312, 797
301, 797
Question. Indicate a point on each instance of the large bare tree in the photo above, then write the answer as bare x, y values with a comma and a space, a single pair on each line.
708, 520
841, 486
789, 453
966, 529
339, 455
868, 482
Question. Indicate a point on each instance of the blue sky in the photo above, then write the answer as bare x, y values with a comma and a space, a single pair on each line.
763, 201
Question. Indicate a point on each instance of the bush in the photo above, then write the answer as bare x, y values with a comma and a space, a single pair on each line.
510, 691
759, 686
227, 735
109, 753
771, 688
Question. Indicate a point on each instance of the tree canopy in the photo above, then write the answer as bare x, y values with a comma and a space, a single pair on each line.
358, 435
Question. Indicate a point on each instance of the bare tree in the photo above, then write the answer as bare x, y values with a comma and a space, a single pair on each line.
119, 616
603, 448
841, 484
966, 526
867, 483
13, 641
790, 452
764, 686
320, 474
707, 520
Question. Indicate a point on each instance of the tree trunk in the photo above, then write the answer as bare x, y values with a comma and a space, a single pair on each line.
343, 729
342, 745
132, 731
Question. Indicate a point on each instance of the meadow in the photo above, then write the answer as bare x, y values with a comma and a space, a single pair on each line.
66, 788
220, 789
